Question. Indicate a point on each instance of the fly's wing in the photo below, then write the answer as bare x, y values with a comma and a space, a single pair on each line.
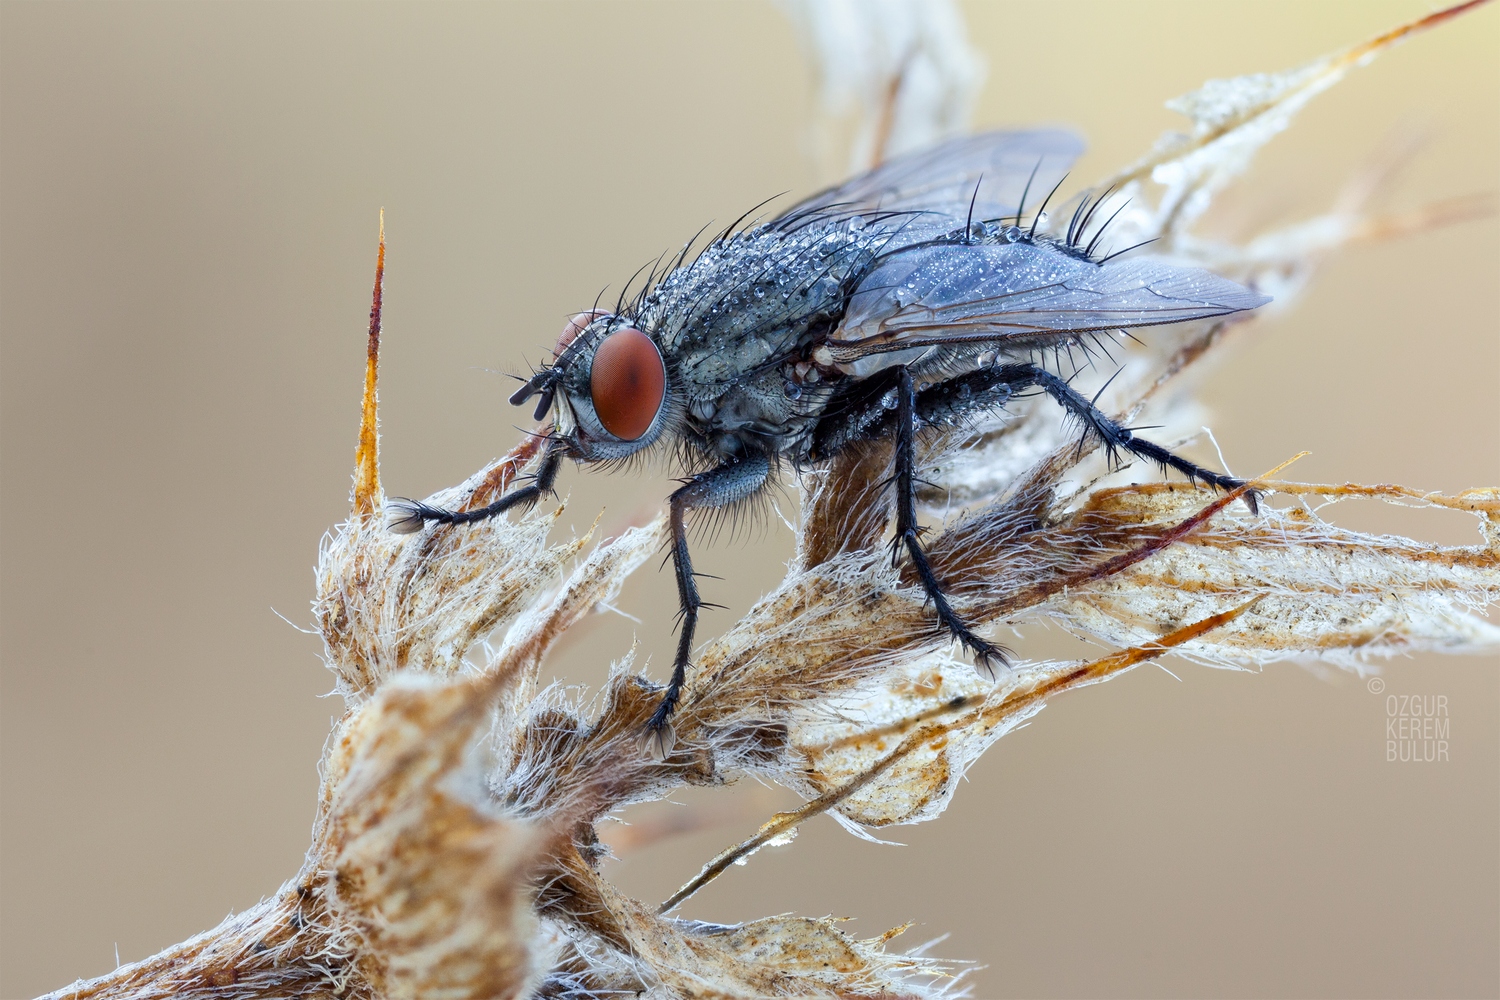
1018, 297
935, 185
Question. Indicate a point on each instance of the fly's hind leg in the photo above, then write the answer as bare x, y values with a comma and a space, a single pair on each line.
988, 657
1115, 437
720, 487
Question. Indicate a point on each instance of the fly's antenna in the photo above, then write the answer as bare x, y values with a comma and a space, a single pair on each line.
544, 379
544, 403
531, 388
1038, 217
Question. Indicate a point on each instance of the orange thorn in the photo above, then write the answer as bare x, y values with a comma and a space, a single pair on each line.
367, 455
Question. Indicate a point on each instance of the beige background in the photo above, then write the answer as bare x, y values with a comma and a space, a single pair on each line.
189, 211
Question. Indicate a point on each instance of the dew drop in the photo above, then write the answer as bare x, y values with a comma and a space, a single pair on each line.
782, 839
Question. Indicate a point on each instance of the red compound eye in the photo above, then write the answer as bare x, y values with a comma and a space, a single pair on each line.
575, 326
627, 383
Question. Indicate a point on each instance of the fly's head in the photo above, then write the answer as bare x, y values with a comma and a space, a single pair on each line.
607, 388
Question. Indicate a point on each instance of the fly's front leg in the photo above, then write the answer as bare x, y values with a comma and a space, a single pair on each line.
728, 484
1114, 436
988, 657
411, 516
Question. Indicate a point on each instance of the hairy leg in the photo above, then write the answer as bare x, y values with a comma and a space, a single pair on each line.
411, 516
988, 657
952, 400
719, 487
1115, 437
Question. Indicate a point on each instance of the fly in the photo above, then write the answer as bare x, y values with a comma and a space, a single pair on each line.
905, 298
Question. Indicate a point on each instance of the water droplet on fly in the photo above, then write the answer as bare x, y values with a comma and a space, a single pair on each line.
889, 400
792, 390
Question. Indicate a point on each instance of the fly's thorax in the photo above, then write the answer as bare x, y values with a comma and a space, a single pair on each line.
753, 298
770, 413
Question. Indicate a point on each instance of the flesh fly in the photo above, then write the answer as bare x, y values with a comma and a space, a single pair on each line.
910, 297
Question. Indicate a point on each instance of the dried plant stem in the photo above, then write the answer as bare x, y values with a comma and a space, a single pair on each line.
1433, 215
279, 945
1013, 705
1315, 78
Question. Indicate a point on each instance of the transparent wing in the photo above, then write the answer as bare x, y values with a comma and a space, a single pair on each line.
1019, 297
941, 180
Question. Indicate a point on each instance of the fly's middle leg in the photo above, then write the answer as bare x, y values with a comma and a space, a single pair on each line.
720, 487
988, 657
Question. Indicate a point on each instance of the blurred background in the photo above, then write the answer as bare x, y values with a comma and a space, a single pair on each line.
188, 211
